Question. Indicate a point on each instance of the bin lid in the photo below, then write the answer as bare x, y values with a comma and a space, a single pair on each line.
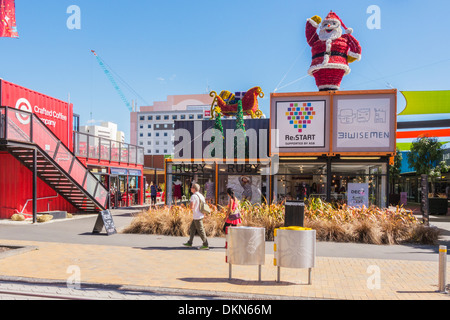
295, 203
295, 228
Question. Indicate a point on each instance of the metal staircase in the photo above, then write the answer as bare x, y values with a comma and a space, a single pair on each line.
21, 133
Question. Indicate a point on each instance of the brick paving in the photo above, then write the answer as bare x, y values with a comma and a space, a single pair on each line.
206, 271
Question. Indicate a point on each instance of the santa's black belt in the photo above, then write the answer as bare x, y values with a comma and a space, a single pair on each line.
332, 53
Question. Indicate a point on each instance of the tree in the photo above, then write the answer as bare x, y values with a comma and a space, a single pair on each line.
426, 153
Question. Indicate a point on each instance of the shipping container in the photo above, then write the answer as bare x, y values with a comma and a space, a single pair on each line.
56, 114
15, 179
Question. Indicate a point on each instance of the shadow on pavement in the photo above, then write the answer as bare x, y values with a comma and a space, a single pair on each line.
241, 282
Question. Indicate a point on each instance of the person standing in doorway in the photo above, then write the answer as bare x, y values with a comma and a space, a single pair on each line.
197, 222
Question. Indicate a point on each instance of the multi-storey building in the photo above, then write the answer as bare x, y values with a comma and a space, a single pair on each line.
107, 130
152, 127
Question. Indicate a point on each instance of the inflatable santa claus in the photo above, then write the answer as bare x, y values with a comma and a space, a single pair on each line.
332, 51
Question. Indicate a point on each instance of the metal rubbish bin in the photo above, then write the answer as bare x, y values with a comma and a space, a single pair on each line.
294, 214
294, 247
245, 246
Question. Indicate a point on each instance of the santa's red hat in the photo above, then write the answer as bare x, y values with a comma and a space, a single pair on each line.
333, 16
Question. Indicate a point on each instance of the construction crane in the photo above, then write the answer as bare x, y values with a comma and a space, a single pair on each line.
107, 70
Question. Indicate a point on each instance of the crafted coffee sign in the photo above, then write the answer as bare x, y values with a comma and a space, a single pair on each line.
300, 124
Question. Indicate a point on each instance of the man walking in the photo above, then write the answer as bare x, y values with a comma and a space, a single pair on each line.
197, 222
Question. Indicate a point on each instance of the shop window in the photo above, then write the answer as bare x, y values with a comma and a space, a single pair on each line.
297, 181
246, 180
181, 176
372, 176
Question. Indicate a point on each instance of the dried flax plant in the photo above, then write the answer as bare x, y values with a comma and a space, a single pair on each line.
338, 224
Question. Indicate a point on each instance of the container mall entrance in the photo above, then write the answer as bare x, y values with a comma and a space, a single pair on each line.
335, 146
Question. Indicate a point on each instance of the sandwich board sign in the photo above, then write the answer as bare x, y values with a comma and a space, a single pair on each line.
358, 195
104, 219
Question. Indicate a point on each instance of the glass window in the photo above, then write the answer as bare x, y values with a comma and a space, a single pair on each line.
149, 126
149, 143
158, 117
149, 134
191, 117
141, 126
199, 116
372, 175
297, 181
141, 135
166, 117
183, 117
180, 176
150, 118
246, 181
157, 134
142, 118
165, 134
174, 117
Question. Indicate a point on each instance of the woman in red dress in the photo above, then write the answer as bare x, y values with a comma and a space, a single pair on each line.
233, 215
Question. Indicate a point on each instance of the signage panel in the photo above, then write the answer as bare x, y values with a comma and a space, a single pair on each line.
301, 124
358, 195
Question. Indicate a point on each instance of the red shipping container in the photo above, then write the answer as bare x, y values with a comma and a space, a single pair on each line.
15, 178
56, 114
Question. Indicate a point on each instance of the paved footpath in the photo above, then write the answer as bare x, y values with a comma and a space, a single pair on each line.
206, 271
171, 270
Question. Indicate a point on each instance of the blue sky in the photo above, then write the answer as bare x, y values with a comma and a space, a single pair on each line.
183, 47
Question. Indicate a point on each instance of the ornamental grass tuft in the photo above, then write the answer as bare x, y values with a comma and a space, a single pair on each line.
371, 225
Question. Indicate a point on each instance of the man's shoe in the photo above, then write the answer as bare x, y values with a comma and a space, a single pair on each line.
187, 244
203, 248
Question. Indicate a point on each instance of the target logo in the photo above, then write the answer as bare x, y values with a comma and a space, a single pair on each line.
24, 105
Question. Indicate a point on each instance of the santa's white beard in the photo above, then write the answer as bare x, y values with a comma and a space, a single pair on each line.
333, 35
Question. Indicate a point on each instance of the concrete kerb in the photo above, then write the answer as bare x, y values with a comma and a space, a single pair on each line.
134, 289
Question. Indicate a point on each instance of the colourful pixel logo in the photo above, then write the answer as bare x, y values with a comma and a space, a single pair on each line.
300, 116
